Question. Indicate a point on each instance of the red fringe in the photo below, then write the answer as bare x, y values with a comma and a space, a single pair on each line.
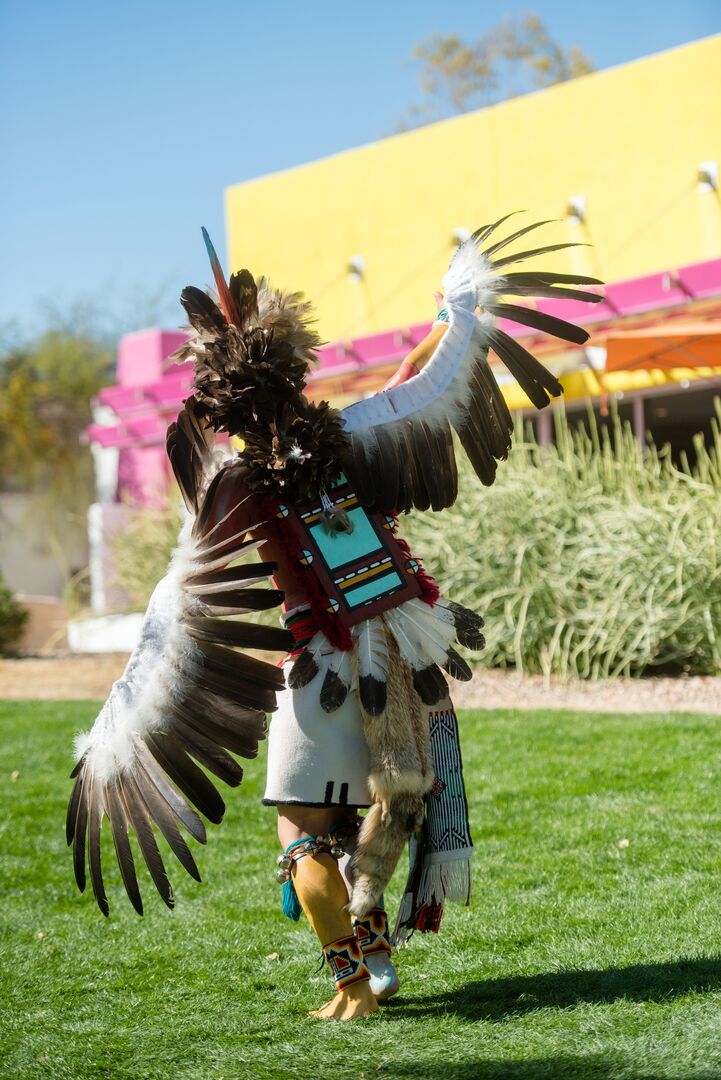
429, 918
429, 590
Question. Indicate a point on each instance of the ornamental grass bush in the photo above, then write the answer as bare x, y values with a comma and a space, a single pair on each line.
592, 558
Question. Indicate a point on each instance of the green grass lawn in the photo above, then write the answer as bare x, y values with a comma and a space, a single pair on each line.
579, 956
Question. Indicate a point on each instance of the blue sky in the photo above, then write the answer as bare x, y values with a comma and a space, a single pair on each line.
121, 124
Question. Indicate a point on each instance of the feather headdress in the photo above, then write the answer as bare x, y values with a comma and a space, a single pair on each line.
252, 353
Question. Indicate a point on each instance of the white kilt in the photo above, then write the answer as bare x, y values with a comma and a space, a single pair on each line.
316, 758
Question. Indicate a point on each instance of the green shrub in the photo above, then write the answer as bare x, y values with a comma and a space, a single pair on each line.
13, 617
592, 558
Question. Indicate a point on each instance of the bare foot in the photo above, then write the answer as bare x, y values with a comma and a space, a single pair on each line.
355, 1001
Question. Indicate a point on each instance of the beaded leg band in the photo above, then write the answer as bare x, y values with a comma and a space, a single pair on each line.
345, 958
372, 932
309, 845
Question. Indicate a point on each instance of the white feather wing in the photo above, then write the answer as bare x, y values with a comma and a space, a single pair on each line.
402, 448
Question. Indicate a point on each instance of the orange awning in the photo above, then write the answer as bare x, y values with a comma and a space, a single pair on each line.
672, 347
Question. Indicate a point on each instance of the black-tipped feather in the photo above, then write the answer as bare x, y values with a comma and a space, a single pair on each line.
303, 671
457, 667
373, 694
430, 685
333, 692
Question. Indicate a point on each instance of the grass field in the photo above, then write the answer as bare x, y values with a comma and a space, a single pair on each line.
580, 956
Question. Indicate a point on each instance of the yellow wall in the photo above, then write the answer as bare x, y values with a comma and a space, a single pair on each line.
630, 139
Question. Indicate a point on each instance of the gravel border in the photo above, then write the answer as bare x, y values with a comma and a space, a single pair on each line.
89, 677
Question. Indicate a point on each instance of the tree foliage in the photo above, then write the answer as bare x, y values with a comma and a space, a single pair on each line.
514, 57
46, 387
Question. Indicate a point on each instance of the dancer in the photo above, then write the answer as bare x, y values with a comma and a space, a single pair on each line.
362, 715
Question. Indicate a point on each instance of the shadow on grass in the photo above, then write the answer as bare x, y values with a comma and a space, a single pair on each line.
496, 999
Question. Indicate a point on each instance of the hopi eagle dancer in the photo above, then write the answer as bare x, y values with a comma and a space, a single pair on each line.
362, 714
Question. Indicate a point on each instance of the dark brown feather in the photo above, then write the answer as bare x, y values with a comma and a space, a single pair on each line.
208, 753
531, 277
119, 827
191, 780
244, 292
240, 667
95, 818
521, 256
485, 231
203, 313
552, 292
175, 801
81, 824
240, 601
159, 812
333, 692
73, 808
540, 320
230, 726
242, 634
138, 816
487, 252
530, 375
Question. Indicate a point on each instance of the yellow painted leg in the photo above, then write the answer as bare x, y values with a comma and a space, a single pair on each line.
323, 896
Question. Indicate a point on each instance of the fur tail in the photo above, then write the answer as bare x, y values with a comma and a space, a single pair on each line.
381, 841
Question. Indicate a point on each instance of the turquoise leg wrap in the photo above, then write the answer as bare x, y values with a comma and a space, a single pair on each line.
291, 903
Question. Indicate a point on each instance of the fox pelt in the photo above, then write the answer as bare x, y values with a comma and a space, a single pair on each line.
400, 774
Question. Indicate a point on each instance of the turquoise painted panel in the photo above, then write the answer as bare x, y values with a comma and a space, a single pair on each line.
383, 584
338, 549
